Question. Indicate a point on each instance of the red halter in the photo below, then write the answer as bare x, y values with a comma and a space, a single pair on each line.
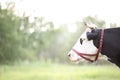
97, 54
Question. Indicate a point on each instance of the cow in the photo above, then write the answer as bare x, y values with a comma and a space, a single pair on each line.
94, 41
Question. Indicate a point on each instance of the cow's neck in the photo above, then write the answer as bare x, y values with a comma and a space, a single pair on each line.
110, 44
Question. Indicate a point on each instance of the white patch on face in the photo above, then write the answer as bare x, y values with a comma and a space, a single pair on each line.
86, 47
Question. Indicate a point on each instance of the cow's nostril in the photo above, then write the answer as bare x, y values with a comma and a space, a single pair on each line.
69, 55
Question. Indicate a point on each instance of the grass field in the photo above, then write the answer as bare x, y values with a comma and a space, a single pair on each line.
58, 72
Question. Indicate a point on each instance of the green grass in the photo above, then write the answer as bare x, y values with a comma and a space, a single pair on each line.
58, 72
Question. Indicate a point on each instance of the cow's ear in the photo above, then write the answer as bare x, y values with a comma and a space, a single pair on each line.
92, 35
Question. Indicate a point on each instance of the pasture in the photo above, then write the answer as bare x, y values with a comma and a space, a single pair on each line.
51, 71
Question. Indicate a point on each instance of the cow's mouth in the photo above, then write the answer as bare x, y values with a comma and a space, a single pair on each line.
75, 61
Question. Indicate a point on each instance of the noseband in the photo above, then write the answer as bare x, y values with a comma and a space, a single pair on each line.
83, 55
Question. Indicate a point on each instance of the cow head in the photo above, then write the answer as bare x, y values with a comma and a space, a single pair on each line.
84, 44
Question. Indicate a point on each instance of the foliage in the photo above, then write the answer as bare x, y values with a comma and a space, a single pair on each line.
9, 35
28, 38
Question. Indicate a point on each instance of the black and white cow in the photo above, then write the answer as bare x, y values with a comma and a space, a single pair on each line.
93, 41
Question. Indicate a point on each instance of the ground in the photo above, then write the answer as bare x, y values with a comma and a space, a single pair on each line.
38, 71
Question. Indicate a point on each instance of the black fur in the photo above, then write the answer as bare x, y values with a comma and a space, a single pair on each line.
111, 43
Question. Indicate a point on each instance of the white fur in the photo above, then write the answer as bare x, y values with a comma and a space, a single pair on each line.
86, 47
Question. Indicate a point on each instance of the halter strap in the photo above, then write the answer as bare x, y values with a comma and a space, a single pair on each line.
97, 54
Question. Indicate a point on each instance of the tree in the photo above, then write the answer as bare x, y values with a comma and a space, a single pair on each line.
9, 34
94, 20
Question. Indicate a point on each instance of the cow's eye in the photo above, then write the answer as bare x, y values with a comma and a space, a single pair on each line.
81, 41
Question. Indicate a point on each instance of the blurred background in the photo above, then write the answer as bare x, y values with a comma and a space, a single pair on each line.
41, 32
